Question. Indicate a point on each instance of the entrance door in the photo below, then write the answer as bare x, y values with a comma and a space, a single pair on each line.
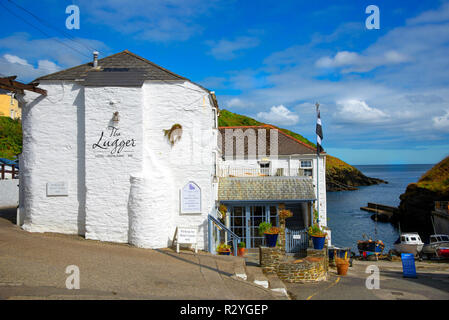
238, 222
256, 216
245, 220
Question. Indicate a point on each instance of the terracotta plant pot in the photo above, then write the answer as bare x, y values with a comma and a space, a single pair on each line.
342, 268
241, 252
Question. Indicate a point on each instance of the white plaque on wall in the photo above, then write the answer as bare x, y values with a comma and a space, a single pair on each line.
57, 188
191, 198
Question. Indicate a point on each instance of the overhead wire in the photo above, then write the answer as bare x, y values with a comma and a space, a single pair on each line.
43, 32
52, 27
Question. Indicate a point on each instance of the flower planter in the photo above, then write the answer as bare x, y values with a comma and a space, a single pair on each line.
224, 253
342, 268
318, 242
241, 252
271, 239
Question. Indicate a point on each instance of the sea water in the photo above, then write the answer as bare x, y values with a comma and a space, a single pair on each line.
348, 223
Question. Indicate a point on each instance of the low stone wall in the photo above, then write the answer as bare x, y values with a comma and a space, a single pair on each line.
313, 268
270, 258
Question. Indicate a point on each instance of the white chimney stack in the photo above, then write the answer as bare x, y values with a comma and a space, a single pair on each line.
95, 59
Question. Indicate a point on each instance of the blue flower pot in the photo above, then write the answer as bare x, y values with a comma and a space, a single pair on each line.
318, 242
224, 253
271, 239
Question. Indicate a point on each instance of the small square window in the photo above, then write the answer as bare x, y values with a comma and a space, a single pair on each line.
306, 164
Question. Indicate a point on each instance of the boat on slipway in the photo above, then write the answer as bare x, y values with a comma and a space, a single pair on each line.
409, 242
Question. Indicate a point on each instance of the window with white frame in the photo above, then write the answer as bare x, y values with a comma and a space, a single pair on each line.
306, 164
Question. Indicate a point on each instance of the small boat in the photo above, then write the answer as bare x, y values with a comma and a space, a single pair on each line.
369, 247
409, 242
438, 246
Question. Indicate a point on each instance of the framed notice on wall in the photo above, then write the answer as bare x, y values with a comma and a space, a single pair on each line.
57, 189
191, 198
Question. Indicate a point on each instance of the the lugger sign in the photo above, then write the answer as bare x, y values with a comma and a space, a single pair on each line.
112, 141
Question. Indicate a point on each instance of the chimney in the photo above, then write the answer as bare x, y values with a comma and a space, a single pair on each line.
95, 63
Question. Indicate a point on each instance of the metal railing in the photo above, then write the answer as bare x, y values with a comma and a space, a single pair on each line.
442, 206
216, 225
262, 172
13, 172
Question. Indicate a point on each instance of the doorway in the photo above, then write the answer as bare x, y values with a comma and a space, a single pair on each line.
245, 220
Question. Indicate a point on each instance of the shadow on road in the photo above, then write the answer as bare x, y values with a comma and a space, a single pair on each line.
177, 256
434, 280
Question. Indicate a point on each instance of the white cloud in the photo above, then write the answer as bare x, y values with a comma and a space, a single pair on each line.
228, 49
442, 123
235, 103
15, 59
153, 20
20, 53
14, 65
279, 115
432, 16
361, 63
358, 111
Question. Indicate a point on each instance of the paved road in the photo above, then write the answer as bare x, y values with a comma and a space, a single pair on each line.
32, 266
432, 283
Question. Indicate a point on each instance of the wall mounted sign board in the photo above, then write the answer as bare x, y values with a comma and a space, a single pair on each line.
57, 188
184, 235
191, 199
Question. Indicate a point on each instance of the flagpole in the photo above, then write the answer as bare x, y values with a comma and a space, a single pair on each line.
318, 171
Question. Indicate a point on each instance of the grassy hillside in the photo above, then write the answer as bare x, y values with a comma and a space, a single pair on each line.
230, 119
437, 178
340, 175
10, 137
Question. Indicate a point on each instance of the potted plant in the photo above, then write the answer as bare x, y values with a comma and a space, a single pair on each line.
271, 233
284, 214
342, 265
318, 236
223, 210
224, 249
241, 249
317, 233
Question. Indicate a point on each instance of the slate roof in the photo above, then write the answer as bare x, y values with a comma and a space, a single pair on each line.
287, 145
123, 69
122, 61
265, 188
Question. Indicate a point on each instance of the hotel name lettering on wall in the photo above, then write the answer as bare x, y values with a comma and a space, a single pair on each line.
112, 141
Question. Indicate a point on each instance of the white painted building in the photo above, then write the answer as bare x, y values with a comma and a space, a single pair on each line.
95, 159
123, 150
260, 168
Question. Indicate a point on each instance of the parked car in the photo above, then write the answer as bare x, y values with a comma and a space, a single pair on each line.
438, 246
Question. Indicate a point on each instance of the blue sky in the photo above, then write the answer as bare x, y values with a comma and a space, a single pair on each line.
384, 93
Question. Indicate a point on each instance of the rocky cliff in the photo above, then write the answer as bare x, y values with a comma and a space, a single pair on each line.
417, 202
342, 176
339, 174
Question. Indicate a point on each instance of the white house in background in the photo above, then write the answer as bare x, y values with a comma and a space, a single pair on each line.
126, 151
260, 168
96, 161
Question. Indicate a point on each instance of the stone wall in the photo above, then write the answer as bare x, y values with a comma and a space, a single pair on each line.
313, 268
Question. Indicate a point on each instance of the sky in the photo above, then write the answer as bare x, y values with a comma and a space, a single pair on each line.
383, 93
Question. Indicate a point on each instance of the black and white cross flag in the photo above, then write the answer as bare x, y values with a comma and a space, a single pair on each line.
319, 130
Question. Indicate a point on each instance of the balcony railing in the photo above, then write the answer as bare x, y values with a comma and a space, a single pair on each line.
263, 172
442, 206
